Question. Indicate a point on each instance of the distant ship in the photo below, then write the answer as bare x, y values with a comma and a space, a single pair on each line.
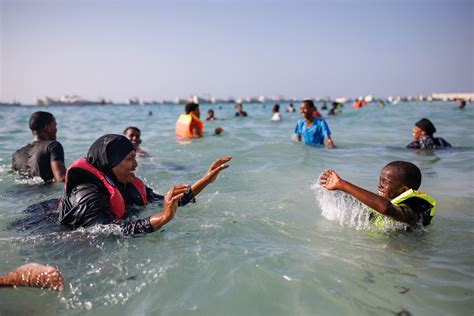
14, 103
69, 100
134, 101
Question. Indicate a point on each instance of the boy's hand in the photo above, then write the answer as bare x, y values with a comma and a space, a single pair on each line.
330, 180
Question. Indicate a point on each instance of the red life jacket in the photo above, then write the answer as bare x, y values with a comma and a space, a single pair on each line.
116, 201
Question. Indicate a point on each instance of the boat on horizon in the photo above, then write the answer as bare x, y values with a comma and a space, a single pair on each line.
70, 100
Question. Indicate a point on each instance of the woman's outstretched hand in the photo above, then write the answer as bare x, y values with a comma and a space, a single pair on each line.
330, 180
216, 167
171, 201
169, 206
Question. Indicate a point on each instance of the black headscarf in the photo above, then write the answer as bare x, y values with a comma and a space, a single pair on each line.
426, 125
108, 151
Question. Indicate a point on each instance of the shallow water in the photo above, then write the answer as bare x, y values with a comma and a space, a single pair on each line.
263, 239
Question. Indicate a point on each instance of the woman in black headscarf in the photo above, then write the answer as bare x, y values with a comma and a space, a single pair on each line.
423, 136
99, 188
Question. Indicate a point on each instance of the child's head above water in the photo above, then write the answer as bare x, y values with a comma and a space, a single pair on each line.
133, 134
398, 177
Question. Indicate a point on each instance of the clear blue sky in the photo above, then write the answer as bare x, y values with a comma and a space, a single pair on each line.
164, 49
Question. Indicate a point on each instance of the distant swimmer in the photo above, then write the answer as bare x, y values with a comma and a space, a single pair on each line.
44, 157
240, 110
462, 104
335, 109
290, 108
397, 196
189, 124
423, 136
101, 187
133, 134
324, 106
33, 275
210, 115
276, 113
313, 131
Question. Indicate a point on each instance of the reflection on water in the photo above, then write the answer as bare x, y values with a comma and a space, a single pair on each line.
264, 239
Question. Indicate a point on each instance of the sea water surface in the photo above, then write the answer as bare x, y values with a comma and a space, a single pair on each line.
264, 239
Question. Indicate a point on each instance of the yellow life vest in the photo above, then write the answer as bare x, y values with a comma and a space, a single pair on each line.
378, 219
183, 125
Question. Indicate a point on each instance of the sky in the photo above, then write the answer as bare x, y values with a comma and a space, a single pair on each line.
119, 49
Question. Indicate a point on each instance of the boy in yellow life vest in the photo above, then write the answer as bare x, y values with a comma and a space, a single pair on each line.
189, 125
396, 195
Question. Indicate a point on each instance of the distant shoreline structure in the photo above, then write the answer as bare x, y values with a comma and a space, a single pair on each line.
75, 100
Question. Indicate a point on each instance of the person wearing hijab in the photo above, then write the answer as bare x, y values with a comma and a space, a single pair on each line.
423, 136
100, 187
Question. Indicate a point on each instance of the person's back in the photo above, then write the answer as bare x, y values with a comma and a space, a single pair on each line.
34, 160
44, 157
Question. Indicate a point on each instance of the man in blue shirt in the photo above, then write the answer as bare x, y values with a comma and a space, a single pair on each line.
313, 131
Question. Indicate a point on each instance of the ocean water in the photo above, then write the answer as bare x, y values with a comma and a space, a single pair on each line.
264, 239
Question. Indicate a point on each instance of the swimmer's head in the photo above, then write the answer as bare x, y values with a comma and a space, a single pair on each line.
398, 177
192, 107
423, 127
218, 130
307, 108
276, 108
43, 123
133, 134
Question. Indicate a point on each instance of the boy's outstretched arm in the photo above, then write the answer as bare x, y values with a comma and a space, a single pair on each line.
330, 180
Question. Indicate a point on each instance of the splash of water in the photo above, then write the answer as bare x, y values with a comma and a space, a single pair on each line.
341, 207
348, 211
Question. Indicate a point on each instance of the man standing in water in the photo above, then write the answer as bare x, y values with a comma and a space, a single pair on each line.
189, 125
312, 130
44, 157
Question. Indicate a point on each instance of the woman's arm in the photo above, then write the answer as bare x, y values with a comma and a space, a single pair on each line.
214, 170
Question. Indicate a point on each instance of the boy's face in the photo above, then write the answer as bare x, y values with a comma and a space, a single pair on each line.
306, 111
134, 137
389, 185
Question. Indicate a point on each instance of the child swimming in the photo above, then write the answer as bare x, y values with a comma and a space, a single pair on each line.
397, 196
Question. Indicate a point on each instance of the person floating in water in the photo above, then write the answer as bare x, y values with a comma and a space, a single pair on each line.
33, 275
397, 196
462, 104
423, 136
44, 157
313, 131
133, 134
276, 113
240, 110
189, 124
101, 187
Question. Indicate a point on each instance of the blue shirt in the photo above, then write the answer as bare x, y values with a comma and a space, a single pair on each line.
315, 134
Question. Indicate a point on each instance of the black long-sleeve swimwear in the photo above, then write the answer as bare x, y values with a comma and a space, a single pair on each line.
87, 204
429, 142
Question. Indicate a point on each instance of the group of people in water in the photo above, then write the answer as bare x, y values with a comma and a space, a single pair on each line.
100, 187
